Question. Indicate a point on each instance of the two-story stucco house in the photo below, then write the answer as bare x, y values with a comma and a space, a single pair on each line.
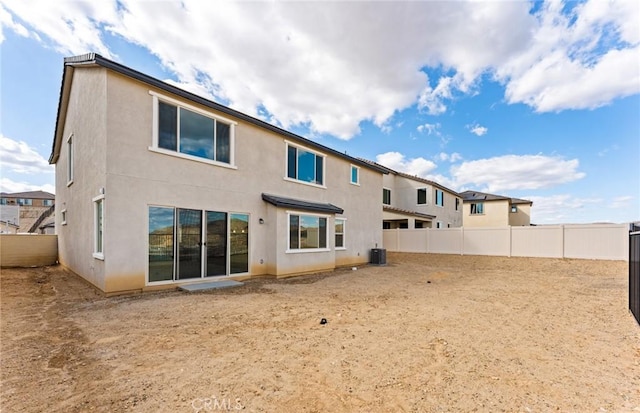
157, 187
412, 202
489, 210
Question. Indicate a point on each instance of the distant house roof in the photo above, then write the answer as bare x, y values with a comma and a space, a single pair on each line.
94, 59
407, 212
471, 196
303, 205
30, 194
413, 177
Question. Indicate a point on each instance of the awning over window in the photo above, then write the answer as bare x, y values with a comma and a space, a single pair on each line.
282, 202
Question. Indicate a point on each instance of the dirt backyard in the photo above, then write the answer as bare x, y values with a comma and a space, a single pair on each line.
426, 333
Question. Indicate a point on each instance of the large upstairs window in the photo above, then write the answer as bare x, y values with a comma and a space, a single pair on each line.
192, 133
305, 165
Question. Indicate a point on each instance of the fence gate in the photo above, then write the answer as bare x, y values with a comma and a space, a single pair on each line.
634, 271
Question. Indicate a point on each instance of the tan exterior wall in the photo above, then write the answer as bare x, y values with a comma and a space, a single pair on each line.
28, 250
404, 196
87, 122
135, 177
522, 217
496, 214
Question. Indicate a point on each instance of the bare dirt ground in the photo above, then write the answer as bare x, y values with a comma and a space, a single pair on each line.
426, 333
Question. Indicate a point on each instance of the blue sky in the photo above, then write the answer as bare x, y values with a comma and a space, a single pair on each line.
531, 100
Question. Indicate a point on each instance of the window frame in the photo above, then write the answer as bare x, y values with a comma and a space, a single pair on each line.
299, 250
457, 203
418, 191
343, 233
355, 169
514, 209
441, 193
383, 197
70, 160
474, 211
317, 154
155, 147
98, 227
63, 217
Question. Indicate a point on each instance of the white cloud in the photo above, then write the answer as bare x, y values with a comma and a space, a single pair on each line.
308, 64
453, 157
477, 129
563, 208
429, 128
515, 172
10, 186
19, 157
621, 202
397, 161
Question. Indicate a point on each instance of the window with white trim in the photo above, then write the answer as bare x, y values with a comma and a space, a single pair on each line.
63, 217
70, 160
307, 232
47, 202
439, 224
422, 196
98, 227
355, 175
477, 208
25, 201
190, 132
439, 198
514, 208
305, 165
386, 196
339, 232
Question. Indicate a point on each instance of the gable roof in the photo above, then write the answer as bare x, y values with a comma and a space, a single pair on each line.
469, 196
413, 177
95, 60
282, 202
29, 194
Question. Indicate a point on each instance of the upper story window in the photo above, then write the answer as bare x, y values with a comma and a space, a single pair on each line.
457, 203
47, 202
305, 165
69, 160
477, 208
422, 196
3, 201
386, 196
25, 201
355, 175
190, 132
439, 198
514, 208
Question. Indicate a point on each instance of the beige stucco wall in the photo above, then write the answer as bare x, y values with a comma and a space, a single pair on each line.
87, 121
28, 250
135, 177
522, 217
404, 196
496, 214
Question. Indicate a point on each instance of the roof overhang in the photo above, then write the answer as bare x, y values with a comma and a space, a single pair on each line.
282, 202
405, 213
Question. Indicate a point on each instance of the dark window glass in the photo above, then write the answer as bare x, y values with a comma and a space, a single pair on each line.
422, 196
161, 227
386, 196
294, 230
167, 126
306, 166
223, 131
292, 159
319, 170
196, 134
322, 233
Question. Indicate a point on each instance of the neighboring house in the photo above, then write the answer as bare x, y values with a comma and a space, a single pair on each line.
32, 198
489, 210
7, 227
412, 202
33, 206
156, 187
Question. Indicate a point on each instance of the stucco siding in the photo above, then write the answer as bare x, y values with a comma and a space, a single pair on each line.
118, 158
496, 214
86, 123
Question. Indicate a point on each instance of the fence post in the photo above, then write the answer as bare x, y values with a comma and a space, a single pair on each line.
510, 240
462, 241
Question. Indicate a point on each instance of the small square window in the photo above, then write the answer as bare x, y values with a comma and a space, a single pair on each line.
514, 208
422, 196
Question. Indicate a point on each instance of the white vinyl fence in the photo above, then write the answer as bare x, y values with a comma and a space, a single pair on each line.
590, 241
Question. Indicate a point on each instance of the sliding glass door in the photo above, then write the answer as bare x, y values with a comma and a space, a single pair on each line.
190, 243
